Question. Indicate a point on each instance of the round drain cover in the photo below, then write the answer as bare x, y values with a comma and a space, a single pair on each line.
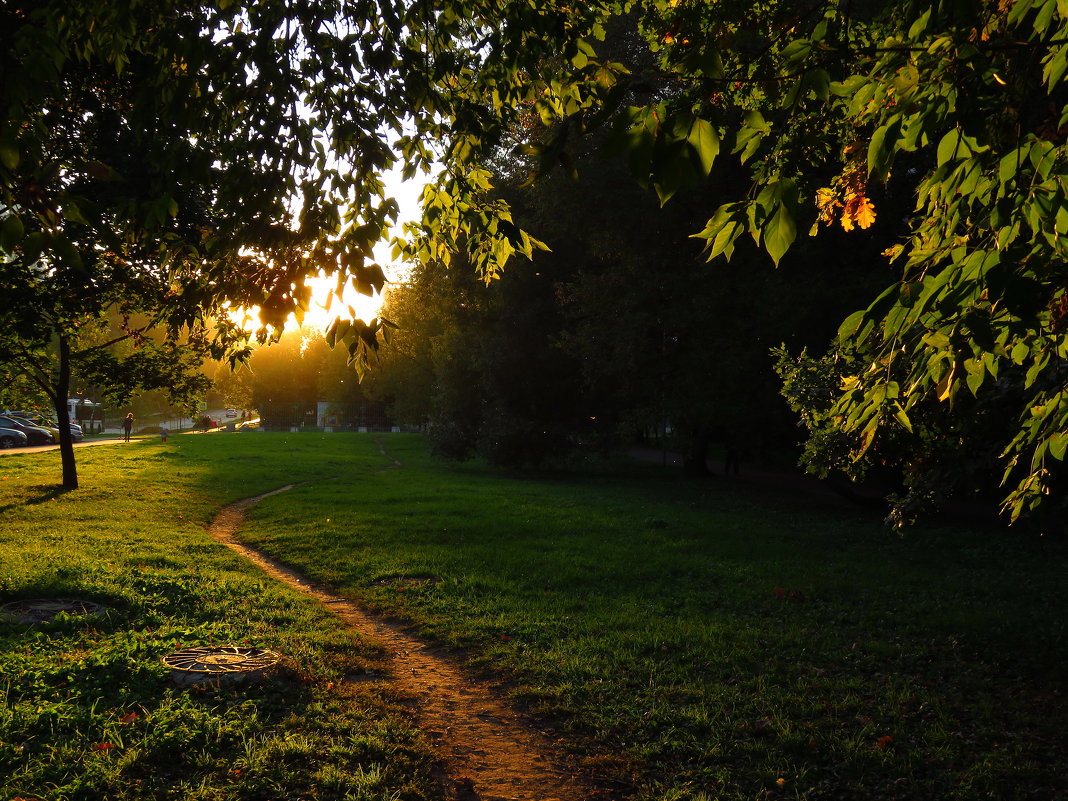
41, 610
195, 665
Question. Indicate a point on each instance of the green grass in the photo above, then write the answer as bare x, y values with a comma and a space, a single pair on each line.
689, 640
88, 710
692, 639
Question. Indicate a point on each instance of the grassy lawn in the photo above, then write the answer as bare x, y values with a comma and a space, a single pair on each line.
695, 641
88, 710
690, 640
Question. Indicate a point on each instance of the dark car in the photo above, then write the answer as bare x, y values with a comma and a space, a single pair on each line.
51, 426
76, 434
12, 438
35, 434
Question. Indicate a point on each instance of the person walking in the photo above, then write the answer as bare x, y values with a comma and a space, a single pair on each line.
163, 432
127, 426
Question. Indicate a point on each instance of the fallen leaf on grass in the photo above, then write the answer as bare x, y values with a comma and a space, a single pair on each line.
884, 742
103, 747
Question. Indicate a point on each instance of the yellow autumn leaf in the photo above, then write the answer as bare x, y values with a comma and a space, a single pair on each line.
865, 214
858, 210
826, 202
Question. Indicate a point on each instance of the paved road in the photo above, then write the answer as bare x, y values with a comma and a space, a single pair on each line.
85, 444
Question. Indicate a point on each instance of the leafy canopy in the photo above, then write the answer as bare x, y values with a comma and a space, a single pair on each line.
192, 154
833, 108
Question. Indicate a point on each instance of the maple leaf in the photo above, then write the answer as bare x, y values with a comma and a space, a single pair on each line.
103, 747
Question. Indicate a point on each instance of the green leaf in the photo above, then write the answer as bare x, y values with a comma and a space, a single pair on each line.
11, 233
947, 148
1058, 443
1055, 67
903, 418
33, 247
818, 82
705, 143
881, 148
68, 253
1036, 368
72, 213
920, 25
1009, 164
1020, 352
796, 51
584, 54
779, 233
9, 152
1045, 15
851, 325
748, 138
936, 339
724, 241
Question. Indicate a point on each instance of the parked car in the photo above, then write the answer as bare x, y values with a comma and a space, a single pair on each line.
12, 438
35, 434
41, 421
76, 434
231, 413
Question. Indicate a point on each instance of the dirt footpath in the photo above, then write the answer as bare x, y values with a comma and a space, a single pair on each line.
487, 750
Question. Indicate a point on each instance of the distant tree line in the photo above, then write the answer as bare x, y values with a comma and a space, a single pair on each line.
618, 333
286, 381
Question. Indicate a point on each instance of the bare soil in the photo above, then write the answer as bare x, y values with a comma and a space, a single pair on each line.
487, 750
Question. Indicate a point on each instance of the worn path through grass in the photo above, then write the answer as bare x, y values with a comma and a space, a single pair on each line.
485, 749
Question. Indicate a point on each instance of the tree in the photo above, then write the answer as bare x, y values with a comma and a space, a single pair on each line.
832, 108
234, 385
130, 156
285, 377
166, 161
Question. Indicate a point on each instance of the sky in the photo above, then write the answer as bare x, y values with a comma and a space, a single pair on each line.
406, 193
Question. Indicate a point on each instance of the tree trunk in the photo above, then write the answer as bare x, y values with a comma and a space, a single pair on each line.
62, 393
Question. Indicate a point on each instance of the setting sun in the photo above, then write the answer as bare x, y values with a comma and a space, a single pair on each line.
325, 305
324, 308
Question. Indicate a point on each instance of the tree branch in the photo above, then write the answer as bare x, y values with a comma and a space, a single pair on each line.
109, 343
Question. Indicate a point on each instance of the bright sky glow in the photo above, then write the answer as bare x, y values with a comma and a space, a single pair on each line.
319, 316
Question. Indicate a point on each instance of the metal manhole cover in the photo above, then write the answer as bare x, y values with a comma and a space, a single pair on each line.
41, 610
231, 662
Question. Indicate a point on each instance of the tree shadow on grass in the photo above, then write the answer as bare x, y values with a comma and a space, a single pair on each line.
40, 493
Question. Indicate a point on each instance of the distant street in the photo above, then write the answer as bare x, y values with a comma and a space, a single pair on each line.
109, 440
